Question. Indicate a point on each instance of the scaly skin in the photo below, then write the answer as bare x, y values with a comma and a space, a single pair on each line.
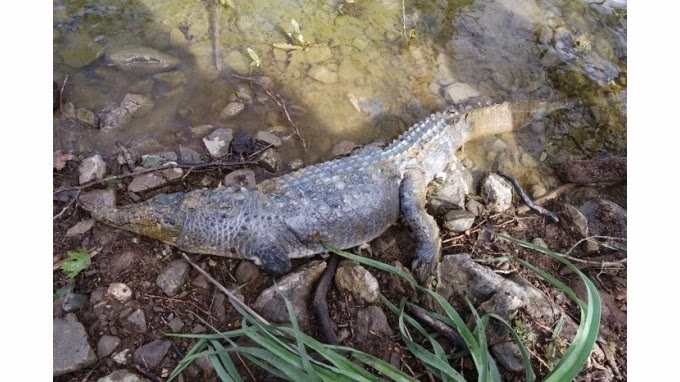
343, 202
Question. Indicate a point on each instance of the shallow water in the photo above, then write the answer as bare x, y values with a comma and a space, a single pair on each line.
363, 71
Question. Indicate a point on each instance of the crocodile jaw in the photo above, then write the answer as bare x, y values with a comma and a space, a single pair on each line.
160, 218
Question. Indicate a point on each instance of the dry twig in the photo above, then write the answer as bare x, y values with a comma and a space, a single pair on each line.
75, 197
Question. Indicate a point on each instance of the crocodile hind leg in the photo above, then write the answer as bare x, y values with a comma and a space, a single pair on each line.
412, 193
271, 258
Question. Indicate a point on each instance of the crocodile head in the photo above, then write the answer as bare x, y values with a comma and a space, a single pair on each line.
161, 217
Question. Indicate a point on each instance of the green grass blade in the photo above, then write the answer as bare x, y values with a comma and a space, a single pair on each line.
184, 362
578, 352
529, 375
223, 358
304, 358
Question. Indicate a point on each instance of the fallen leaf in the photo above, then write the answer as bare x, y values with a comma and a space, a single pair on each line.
80, 228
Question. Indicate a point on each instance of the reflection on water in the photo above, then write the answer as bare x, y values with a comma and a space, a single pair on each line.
357, 71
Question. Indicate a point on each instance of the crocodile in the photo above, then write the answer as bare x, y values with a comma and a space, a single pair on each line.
344, 202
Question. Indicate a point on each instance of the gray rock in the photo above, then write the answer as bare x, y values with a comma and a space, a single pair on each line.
176, 324
323, 74
91, 200
459, 277
200, 282
296, 286
458, 220
606, 218
474, 207
70, 348
204, 363
358, 281
270, 160
138, 320
172, 277
106, 345
218, 142
459, 92
151, 354
152, 180
142, 59
244, 177
88, 117
246, 272
497, 193
218, 307
371, 320
268, 139
508, 355
122, 357
91, 168
189, 156
343, 148
237, 62
73, 302
450, 193
232, 110
80, 228
121, 292
123, 376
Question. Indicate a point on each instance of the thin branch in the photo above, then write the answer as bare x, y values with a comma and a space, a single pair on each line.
226, 291
67, 206
126, 155
549, 196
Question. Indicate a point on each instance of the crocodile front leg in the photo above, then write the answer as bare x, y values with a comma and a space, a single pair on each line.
412, 193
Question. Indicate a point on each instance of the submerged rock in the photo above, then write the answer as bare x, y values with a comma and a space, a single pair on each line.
142, 59
323, 74
232, 110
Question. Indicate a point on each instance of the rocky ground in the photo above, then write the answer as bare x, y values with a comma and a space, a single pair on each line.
111, 321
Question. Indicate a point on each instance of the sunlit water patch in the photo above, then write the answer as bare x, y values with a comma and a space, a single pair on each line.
150, 73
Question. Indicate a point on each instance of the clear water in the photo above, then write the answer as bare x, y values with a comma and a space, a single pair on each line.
383, 64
